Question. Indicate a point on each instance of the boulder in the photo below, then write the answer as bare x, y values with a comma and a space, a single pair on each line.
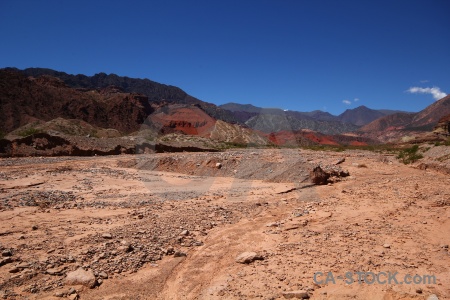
81, 277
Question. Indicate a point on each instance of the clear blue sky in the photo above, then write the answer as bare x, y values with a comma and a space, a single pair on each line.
293, 54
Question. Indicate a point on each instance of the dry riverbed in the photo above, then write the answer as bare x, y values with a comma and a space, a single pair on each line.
171, 226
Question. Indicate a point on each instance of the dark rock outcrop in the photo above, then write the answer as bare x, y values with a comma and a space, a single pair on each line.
27, 99
320, 176
443, 126
44, 144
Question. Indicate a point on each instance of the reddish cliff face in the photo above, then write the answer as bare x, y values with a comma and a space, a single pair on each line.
23, 100
187, 119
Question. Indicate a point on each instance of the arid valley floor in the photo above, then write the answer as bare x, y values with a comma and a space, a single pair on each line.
170, 226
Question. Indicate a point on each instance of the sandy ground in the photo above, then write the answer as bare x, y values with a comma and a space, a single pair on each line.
173, 229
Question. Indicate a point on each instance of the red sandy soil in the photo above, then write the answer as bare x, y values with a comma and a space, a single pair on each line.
385, 217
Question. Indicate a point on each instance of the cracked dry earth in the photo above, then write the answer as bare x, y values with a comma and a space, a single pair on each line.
147, 233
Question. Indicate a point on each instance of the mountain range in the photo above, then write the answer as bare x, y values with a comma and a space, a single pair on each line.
131, 105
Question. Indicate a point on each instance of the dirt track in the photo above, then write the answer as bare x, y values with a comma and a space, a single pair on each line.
385, 217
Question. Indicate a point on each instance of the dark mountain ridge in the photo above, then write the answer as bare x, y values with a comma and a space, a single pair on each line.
156, 92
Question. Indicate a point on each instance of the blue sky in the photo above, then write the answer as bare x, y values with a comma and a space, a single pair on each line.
293, 54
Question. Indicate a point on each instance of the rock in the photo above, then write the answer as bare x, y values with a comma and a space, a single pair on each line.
179, 254
443, 126
6, 260
7, 252
387, 246
340, 161
60, 294
81, 277
218, 165
107, 236
299, 294
273, 224
319, 176
185, 232
432, 297
19, 267
15, 270
248, 257
34, 227
103, 275
73, 297
55, 271
125, 248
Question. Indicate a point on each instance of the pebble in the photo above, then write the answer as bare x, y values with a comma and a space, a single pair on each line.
107, 236
179, 254
299, 294
7, 252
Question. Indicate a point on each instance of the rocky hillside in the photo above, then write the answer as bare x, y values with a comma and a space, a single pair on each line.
360, 116
27, 99
428, 117
395, 126
156, 92
281, 122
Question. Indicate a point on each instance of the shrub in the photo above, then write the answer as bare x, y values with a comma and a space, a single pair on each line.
410, 155
29, 131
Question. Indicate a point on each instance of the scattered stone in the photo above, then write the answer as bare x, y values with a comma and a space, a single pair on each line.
248, 257
419, 291
185, 232
81, 277
22, 266
387, 246
170, 250
218, 165
73, 297
7, 252
179, 254
103, 275
55, 271
299, 294
432, 297
273, 224
107, 236
60, 294
6, 260
340, 161
34, 227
